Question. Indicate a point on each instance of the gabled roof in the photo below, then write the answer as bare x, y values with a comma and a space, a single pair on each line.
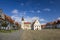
58, 21
33, 22
8, 18
27, 23
36, 22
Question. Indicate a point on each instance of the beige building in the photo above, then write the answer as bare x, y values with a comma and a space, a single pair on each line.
25, 25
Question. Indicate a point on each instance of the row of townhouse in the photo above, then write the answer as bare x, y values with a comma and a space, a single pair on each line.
6, 22
52, 25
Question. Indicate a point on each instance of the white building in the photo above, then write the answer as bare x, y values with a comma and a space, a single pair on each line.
37, 25
58, 24
22, 23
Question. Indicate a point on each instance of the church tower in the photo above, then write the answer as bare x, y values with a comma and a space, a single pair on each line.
22, 23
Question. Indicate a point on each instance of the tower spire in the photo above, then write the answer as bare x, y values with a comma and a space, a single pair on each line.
22, 19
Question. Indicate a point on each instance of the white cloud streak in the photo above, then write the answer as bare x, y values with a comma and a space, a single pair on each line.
22, 4
51, 2
15, 11
27, 19
17, 17
46, 9
38, 11
42, 19
58, 18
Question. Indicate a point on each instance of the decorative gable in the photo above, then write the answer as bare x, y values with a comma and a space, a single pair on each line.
36, 22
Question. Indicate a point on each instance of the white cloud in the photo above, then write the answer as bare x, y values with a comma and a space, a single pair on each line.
15, 11
30, 19
42, 19
46, 9
58, 18
43, 23
51, 2
35, 18
38, 11
27, 19
16, 18
24, 12
32, 11
22, 4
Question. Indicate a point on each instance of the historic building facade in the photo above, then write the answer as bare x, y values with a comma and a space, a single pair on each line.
28, 25
6, 22
25, 25
37, 25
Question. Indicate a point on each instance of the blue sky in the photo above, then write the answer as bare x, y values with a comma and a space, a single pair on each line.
44, 10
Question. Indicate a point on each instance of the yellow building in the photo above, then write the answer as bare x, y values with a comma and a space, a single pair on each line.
25, 25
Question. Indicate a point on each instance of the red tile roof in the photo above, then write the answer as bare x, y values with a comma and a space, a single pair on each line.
16, 23
27, 23
58, 21
8, 18
43, 26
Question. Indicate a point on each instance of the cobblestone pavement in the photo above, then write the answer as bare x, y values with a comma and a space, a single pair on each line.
11, 36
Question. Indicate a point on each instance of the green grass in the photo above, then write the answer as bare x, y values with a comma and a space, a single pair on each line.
45, 34
7, 31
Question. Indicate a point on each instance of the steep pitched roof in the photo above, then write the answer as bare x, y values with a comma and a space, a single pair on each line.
27, 23
58, 21
8, 18
22, 19
33, 22
36, 21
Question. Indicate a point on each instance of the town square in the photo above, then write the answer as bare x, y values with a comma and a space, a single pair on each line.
29, 19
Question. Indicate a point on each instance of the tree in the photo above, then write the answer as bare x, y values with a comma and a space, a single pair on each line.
4, 24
